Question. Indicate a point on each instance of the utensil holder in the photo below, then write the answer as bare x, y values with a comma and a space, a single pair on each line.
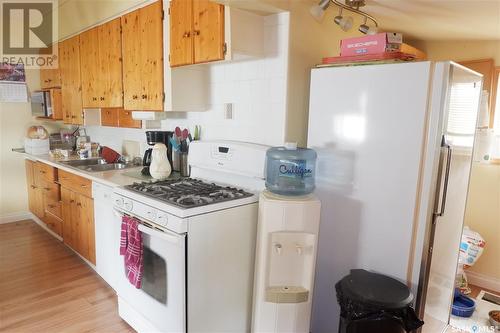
176, 165
184, 167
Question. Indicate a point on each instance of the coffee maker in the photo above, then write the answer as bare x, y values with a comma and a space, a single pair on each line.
152, 138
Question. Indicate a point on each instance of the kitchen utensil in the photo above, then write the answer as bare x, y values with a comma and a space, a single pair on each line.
109, 155
185, 134
173, 142
178, 132
190, 137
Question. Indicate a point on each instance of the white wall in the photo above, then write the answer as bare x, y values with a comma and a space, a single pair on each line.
256, 88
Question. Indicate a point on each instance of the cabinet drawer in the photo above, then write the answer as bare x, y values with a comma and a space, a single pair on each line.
45, 172
53, 223
76, 183
51, 191
54, 208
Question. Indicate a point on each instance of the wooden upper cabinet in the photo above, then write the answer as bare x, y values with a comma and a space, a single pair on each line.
208, 22
50, 78
196, 32
91, 73
71, 89
142, 50
110, 61
181, 33
100, 56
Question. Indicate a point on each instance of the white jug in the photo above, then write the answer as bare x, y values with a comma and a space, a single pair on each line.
160, 167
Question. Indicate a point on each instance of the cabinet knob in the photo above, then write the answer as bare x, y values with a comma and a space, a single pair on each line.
102, 98
196, 32
42, 172
72, 201
187, 34
144, 96
79, 204
134, 97
84, 186
94, 98
33, 186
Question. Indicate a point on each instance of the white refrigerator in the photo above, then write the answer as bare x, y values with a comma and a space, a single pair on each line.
394, 144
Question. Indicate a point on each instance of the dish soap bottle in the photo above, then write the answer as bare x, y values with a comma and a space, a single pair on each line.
160, 167
290, 170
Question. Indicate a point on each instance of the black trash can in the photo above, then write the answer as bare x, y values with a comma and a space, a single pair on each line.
375, 303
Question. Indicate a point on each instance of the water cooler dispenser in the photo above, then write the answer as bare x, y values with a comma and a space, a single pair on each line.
285, 262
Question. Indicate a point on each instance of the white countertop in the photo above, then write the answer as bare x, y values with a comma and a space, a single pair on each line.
111, 178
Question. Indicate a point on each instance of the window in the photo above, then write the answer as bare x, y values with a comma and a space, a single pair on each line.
464, 99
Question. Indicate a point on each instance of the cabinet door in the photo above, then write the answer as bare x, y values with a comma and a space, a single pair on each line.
181, 32
68, 209
85, 225
208, 22
56, 99
142, 50
151, 28
71, 90
50, 78
30, 181
110, 57
109, 117
92, 75
131, 50
125, 119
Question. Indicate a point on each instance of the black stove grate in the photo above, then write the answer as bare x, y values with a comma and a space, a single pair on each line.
187, 192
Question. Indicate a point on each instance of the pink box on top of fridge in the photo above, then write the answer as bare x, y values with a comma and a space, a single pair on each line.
371, 44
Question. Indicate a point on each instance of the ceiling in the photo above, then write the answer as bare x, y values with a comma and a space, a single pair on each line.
439, 19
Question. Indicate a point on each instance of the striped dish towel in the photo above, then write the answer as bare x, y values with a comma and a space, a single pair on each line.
131, 249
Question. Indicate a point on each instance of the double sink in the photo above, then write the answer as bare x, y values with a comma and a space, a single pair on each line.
96, 165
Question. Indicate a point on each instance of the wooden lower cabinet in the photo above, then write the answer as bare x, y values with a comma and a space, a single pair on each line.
62, 201
78, 223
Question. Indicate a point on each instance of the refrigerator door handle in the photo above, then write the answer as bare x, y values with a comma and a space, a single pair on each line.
440, 211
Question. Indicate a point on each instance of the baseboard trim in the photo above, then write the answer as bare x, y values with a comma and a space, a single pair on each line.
14, 217
483, 281
44, 227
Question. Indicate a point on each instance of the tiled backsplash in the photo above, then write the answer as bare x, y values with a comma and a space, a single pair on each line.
255, 87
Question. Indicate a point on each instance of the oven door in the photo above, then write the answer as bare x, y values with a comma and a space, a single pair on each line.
161, 300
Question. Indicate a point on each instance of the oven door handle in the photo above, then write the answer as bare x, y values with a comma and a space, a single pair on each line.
171, 238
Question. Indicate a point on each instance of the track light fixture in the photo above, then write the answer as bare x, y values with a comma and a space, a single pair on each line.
345, 23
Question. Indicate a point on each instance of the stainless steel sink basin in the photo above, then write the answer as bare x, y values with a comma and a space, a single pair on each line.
85, 163
105, 167
96, 165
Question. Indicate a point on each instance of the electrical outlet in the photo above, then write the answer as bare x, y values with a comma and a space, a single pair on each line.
228, 110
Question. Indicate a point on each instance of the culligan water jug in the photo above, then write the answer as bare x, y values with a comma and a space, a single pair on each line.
290, 170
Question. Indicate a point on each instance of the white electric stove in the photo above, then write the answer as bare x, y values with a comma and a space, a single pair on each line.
199, 242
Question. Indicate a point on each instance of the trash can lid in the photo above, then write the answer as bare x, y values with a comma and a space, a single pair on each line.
376, 289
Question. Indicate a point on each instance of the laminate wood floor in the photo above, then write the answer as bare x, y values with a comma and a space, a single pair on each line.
45, 287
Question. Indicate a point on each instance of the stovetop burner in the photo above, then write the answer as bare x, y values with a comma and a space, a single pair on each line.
187, 192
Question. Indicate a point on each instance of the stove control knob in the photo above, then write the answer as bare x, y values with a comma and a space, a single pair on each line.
162, 219
128, 205
119, 202
151, 215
